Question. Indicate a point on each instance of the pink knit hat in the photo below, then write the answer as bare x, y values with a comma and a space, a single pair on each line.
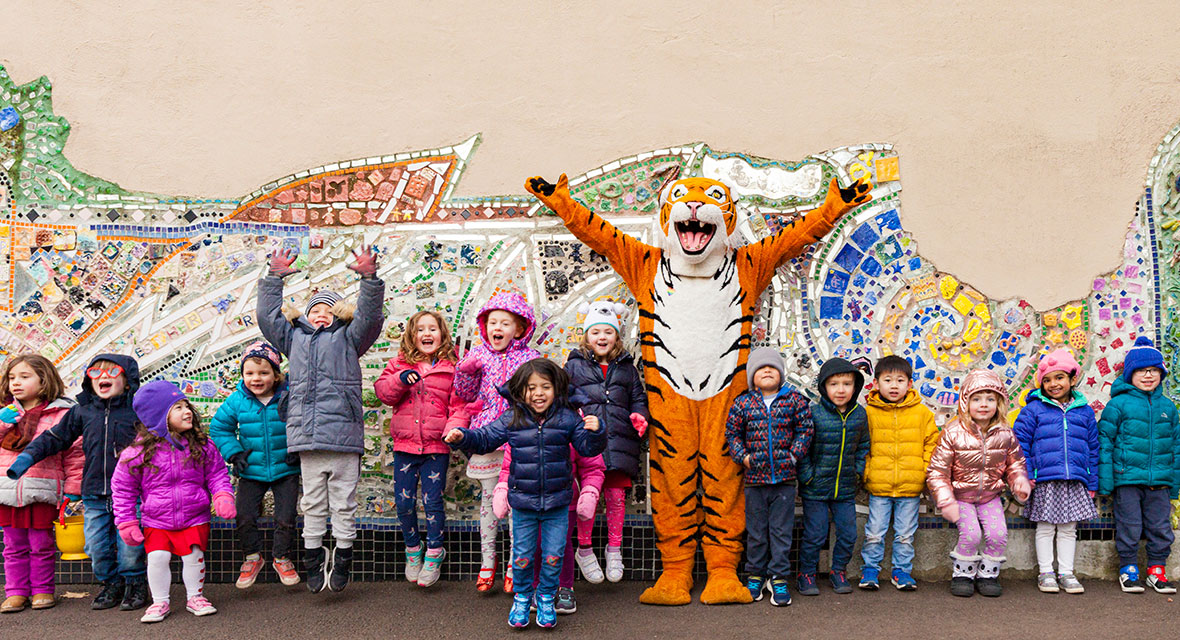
982, 380
1057, 360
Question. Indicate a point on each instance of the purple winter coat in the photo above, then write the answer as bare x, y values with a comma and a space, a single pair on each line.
176, 494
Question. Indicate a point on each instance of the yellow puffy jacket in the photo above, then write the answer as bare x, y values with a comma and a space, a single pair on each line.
902, 436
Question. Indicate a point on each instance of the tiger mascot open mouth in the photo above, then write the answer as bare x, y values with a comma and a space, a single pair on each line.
696, 208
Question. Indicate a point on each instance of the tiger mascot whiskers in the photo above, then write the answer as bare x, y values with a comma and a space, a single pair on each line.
697, 294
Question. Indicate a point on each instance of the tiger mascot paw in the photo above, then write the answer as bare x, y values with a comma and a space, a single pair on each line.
672, 589
723, 587
551, 195
858, 192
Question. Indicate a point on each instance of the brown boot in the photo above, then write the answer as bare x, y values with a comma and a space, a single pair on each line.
44, 601
14, 604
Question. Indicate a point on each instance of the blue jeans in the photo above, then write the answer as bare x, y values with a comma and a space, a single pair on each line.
431, 470
817, 516
1141, 511
904, 513
111, 559
770, 518
530, 530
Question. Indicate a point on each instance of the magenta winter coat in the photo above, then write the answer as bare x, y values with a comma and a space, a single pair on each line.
176, 493
424, 412
588, 472
498, 367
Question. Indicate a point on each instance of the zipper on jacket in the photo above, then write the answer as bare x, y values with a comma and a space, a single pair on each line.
896, 450
1150, 439
541, 457
770, 440
983, 448
843, 438
265, 442
106, 429
1065, 440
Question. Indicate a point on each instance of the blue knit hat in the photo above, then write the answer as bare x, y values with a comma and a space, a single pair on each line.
1142, 355
152, 403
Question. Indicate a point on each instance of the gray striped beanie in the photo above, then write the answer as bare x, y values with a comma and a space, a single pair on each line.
329, 298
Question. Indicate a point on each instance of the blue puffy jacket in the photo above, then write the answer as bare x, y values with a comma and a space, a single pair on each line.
612, 398
835, 462
1140, 440
243, 423
1059, 443
541, 475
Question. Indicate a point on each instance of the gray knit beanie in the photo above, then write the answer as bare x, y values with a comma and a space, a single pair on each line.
764, 357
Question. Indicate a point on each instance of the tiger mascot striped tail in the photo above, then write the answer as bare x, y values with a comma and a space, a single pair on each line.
697, 294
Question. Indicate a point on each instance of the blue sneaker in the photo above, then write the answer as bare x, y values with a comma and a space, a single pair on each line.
839, 582
518, 618
903, 581
756, 584
807, 586
780, 595
868, 578
1129, 579
546, 611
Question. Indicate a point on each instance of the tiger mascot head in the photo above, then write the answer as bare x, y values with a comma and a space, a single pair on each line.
697, 219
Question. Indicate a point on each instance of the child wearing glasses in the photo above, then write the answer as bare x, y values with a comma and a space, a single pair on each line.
105, 421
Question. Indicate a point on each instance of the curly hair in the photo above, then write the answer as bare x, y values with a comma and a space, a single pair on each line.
149, 442
409, 349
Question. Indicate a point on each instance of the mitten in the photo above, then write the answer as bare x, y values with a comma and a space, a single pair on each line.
470, 366
20, 465
500, 500
587, 503
409, 377
292, 459
12, 413
223, 506
640, 423
131, 533
238, 460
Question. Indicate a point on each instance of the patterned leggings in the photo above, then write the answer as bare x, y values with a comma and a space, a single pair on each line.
982, 530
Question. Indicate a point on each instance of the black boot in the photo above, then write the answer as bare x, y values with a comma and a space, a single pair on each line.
135, 596
315, 562
109, 596
963, 587
989, 587
341, 566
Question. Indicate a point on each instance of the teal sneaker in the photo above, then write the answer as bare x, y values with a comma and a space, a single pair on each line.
546, 611
518, 617
780, 594
756, 585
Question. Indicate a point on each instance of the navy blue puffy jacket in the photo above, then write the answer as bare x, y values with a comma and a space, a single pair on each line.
1059, 444
612, 398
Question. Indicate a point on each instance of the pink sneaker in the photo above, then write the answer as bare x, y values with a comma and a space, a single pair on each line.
200, 606
249, 571
156, 612
286, 570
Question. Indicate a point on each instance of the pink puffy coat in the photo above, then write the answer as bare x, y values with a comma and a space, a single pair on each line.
48, 480
176, 493
425, 411
588, 472
969, 466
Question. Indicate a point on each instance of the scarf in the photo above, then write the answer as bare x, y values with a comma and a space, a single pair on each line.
24, 430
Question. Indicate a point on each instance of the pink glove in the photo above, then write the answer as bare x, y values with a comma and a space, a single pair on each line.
223, 506
470, 366
281, 261
131, 533
500, 500
364, 262
950, 513
587, 503
640, 423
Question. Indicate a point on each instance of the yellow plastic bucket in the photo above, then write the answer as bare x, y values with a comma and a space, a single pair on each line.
70, 537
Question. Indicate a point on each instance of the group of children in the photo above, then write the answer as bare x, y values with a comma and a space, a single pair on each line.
1055, 457
546, 443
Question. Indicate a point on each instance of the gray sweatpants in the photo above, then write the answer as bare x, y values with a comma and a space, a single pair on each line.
329, 484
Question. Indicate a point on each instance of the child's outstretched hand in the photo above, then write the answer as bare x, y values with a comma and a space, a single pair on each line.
454, 436
1021, 490
950, 513
640, 423
500, 500
590, 422
364, 262
223, 506
281, 261
12, 413
131, 533
409, 377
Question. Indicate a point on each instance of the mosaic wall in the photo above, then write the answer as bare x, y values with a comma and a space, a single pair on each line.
92, 267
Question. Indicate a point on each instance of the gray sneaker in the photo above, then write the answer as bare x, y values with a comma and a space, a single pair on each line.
1047, 583
1069, 583
566, 603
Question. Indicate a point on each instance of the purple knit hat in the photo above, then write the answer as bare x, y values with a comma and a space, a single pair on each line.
152, 403
261, 349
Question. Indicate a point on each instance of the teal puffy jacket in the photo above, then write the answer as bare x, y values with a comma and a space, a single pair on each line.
242, 423
834, 464
1139, 440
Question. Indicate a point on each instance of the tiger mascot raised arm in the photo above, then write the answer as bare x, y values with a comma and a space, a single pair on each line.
697, 294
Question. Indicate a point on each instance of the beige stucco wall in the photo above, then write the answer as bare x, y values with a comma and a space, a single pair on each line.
1020, 125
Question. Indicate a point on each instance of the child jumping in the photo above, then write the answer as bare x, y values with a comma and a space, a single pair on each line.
418, 384
975, 457
506, 325
540, 429
33, 392
325, 419
251, 435
176, 472
602, 370
1139, 464
1059, 437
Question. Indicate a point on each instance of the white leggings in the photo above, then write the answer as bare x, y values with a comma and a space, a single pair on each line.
489, 526
1067, 541
159, 575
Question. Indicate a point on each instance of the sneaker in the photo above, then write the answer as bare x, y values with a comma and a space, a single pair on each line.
566, 603
135, 596
341, 568
962, 587
588, 563
903, 581
518, 617
1069, 583
756, 584
614, 564
315, 562
1047, 583
1129, 579
839, 582
109, 596
156, 612
414, 562
989, 587
199, 605
1157, 579
868, 579
546, 611
807, 585
286, 570
780, 594
249, 571
432, 568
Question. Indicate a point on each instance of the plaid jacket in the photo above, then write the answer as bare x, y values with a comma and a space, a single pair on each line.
774, 439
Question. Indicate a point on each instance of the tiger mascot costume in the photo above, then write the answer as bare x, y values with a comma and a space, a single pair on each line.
697, 294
